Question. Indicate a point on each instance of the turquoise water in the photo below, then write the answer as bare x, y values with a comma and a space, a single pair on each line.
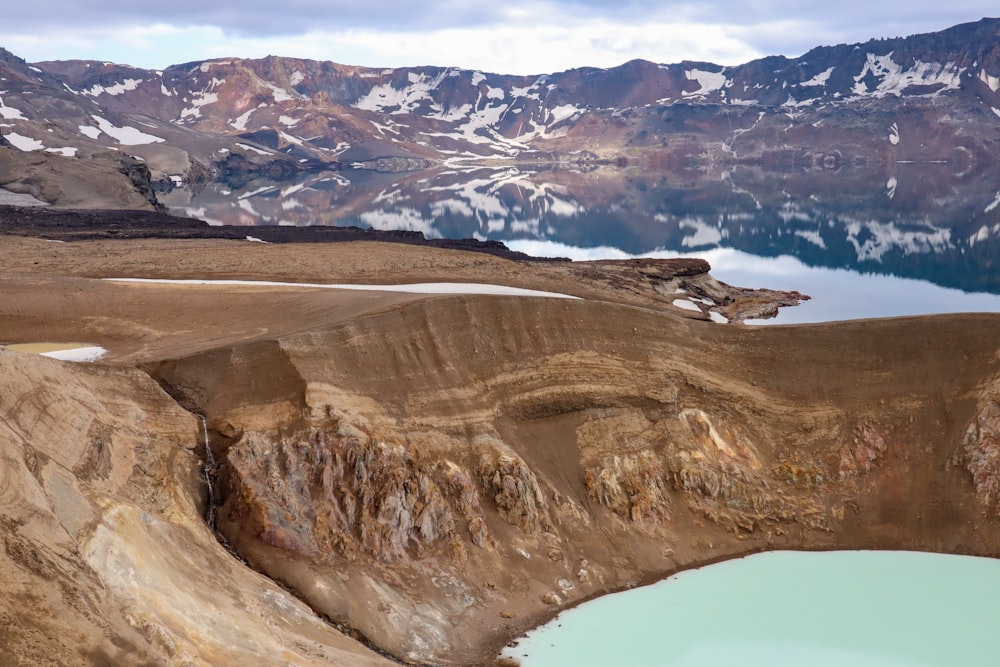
789, 609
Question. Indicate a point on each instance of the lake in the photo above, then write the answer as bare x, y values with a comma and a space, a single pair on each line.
863, 240
788, 609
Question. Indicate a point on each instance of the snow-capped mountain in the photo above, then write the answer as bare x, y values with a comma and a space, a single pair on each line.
933, 97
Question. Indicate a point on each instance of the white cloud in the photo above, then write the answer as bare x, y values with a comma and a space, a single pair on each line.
516, 38
511, 49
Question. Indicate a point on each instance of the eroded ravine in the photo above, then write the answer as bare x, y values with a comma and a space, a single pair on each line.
444, 474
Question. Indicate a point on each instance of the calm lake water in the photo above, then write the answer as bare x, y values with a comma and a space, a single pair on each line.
788, 609
863, 241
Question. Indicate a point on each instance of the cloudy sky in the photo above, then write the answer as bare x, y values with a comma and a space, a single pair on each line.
510, 36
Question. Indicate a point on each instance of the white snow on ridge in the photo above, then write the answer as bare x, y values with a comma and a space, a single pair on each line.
894, 79
89, 131
10, 113
127, 136
117, 89
383, 97
254, 149
241, 121
23, 143
67, 151
194, 111
280, 94
820, 79
707, 81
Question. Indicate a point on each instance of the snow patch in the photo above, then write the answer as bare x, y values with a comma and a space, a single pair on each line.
413, 288
280, 94
890, 187
254, 149
241, 121
820, 79
194, 111
707, 81
67, 151
894, 134
80, 354
10, 113
992, 81
296, 78
127, 136
23, 143
686, 305
89, 131
117, 89
893, 79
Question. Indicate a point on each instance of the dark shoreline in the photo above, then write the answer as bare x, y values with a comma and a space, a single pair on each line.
106, 224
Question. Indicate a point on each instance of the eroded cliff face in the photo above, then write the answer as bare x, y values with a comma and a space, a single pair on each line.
444, 474
105, 555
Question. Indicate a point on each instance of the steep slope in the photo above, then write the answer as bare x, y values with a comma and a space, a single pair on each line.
105, 555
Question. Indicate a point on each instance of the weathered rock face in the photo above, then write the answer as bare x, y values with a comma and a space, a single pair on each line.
453, 469
980, 454
105, 555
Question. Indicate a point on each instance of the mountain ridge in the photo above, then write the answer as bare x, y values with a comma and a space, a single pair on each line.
232, 118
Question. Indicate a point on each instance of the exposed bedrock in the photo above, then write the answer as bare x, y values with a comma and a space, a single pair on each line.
443, 474
106, 558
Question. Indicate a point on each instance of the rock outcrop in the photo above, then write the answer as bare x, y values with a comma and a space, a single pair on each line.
105, 554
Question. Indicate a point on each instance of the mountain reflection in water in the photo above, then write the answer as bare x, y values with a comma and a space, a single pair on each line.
864, 241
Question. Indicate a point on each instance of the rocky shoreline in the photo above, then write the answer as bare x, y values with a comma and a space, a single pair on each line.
95, 224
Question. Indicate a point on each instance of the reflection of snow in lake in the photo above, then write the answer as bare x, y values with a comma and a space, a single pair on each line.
788, 609
837, 294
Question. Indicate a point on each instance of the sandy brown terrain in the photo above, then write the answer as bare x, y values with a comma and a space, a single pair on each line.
433, 475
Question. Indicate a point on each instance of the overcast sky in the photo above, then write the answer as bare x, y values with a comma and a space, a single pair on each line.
506, 36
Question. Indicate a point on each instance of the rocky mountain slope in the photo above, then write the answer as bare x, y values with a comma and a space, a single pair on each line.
926, 97
434, 475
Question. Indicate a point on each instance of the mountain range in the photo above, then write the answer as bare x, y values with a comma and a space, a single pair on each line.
115, 129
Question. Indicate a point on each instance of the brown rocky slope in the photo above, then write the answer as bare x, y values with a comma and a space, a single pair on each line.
440, 473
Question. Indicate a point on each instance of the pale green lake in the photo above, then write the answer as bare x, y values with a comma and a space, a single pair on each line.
789, 609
